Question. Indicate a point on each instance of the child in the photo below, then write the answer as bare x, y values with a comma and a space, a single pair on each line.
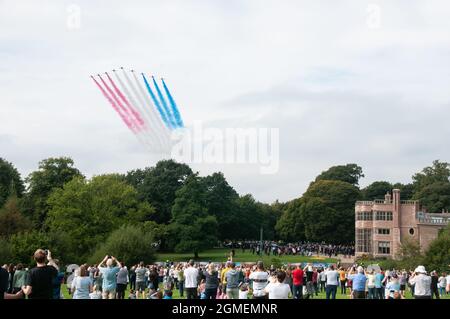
132, 294
96, 294
201, 289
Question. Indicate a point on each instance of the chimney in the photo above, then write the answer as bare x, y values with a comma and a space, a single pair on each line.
387, 198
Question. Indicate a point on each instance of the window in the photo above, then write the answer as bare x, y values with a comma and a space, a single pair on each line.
384, 247
411, 231
364, 216
363, 240
383, 231
383, 215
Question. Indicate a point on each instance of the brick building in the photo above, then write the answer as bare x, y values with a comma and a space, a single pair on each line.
381, 225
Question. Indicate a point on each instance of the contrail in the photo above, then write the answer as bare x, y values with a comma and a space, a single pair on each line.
127, 93
163, 133
136, 94
164, 104
118, 102
139, 136
115, 107
135, 113
155, 100
175, 111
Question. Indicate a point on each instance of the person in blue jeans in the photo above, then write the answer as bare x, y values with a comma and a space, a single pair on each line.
332, 282
379, 285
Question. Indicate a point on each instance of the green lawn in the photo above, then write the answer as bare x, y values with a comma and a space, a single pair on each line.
221, 255
176, 294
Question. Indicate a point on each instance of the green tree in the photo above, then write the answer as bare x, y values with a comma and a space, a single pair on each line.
10, 182
192, 229
88, 210
158, 185
11, 219
438, 172
330, 202
6, 255
406, 190
52, 174
23, 245
291, 227
376, 190
350, 173
437, 256
435, 197
220, 201
130, 244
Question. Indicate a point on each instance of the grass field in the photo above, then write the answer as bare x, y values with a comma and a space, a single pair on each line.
221, 255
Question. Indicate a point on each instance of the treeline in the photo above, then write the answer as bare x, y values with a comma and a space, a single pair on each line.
80, 218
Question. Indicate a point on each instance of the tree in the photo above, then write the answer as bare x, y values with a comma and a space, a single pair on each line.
376, 190
192, 230
11, 219
438, 172
52, 174
326, 203
158, 185
88, 210
11, 183
350, 173
435, 197
291, 227
129, 243
23, 245
6, 255
437, 256
220, 201
406, 190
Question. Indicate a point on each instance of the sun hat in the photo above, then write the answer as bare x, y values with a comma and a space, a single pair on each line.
420, 269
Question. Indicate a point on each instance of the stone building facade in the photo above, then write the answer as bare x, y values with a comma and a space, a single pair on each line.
382, 225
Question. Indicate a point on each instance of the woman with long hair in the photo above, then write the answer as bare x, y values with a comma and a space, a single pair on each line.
212, 282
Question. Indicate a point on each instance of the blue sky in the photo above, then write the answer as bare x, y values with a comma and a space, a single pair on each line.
340, 88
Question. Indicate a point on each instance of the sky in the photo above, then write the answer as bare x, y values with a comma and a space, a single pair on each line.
349, 81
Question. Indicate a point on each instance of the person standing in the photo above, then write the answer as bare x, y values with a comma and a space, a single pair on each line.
82, 284
260, 279
434, 285
297, 277
132, 278
421, 282
379, 285
191, 280
109, 273
359, 283
20, 278
181, 279
442, 284
278, 289
371, 285
342, 280
40, 280
322, 280
122, 281
308, 270
4, 279
141, 273
212, 282
332, 282
232, 280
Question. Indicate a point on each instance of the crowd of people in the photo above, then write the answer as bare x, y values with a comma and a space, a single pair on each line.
110, 278
300, 248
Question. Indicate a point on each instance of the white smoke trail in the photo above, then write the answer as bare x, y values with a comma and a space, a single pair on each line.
150, 108
153, 143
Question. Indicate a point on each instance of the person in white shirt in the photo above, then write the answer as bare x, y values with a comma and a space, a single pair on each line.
422, 282
260, 279
278, 289
332, 282
447, 289
442, 284
191, 280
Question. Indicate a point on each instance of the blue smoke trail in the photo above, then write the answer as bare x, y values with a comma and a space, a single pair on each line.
164, 104
155, 100
176, 113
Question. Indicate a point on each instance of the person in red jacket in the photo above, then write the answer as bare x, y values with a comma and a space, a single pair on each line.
297, 281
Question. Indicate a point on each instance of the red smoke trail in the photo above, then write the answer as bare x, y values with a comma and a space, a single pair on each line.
123, 108
135, 113
114, 105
